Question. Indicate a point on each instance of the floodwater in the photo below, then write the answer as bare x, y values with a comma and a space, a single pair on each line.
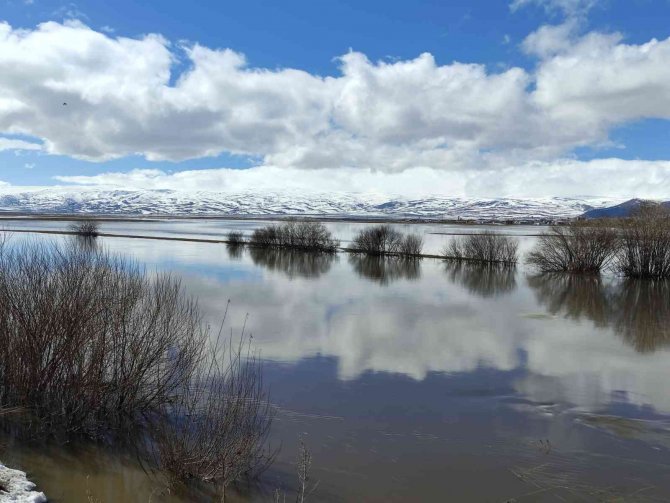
417, 381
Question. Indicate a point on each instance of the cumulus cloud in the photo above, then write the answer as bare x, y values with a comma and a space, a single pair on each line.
598, 81
459, 125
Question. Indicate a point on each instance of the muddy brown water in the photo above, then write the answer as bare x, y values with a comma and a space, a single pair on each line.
419, 382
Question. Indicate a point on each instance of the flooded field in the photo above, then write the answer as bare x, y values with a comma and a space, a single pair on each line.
413, 380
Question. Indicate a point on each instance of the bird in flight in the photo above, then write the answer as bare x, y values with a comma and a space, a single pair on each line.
64, 104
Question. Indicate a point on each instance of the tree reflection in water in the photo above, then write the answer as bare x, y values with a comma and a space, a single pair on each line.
485, 280
385, 270
638, 310
235, 250
293, 263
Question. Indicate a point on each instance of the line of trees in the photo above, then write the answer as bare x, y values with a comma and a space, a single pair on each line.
634, 247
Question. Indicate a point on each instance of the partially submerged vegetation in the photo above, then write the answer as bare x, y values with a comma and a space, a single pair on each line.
633, 247
91, 346
86, 228
385, 240
235, 238
298, 235
645, 244
484, 247
583, 247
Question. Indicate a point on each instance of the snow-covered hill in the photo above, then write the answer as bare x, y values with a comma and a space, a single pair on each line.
167, 202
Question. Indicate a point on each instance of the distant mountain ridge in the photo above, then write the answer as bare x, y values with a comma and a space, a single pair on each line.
63, 200
624, 209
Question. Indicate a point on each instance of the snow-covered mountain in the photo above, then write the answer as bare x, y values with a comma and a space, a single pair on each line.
62, 200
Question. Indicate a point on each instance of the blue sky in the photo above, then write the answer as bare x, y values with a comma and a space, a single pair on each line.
309, 36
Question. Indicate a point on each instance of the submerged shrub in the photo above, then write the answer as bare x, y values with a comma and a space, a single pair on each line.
215, 429
486, 247
645, 244
411, 245
90, 345
86, 228
86, 339
385, 240
299, 235
577, 247
235, 238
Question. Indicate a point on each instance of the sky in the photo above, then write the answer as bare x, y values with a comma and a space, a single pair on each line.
479, 98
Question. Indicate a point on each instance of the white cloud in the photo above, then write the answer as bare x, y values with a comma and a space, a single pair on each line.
458, 125
14, 144
567, 7
613, 178
549, 40
598, 81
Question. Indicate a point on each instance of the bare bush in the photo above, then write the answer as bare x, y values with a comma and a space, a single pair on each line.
299, 235
86, 228
411, 245
577, 247
90, 345
645, 244
486, 247
385, 240
235, 238
87, 340
215, 429
304, 466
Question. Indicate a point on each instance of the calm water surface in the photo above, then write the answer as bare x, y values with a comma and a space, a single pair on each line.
421, 381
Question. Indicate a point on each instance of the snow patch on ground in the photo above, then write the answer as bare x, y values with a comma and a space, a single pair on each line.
16, 488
